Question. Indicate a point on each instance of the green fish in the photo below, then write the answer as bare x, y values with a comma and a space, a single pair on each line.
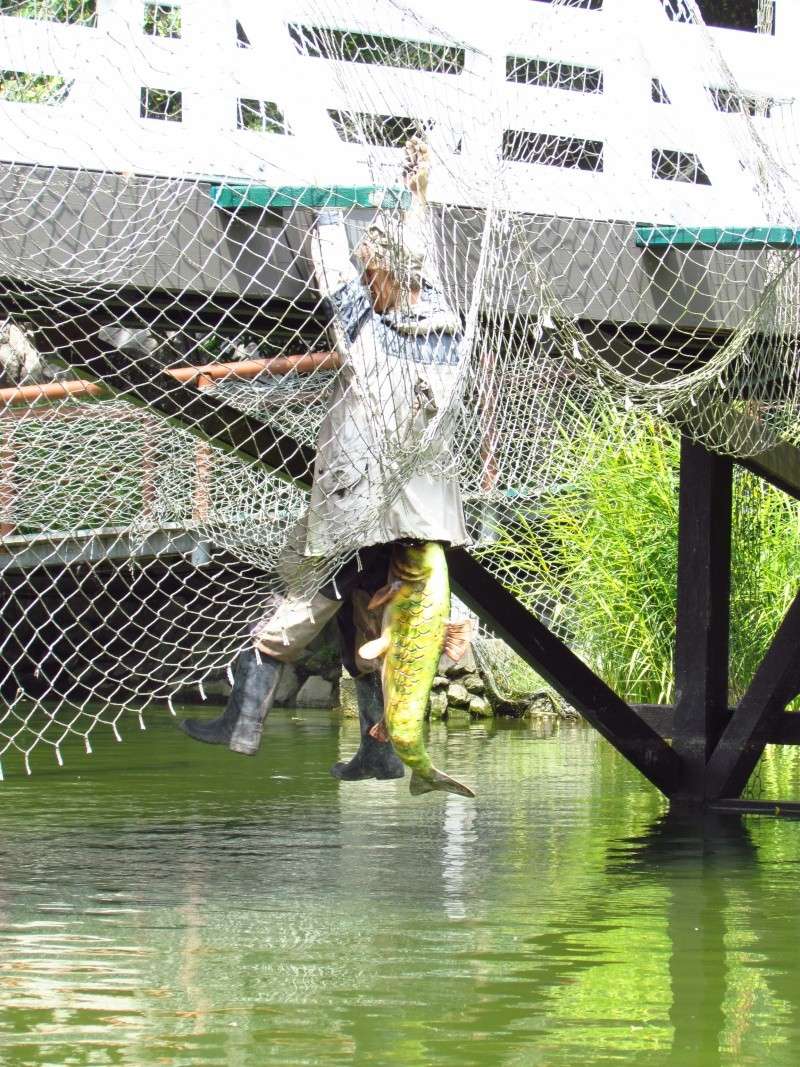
416, 606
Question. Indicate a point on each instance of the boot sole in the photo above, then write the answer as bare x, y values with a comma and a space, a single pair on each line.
197, 737
338, 768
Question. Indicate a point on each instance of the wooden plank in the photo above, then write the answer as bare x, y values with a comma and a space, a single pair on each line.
785, 729
732, 237
780, 466
703, 609
734, 806
775, 683
190, 244
144, 382
165, 310
312, 196
257, 255
569, 675
97, 546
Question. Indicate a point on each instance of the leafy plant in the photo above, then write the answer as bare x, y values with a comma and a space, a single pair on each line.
601, 553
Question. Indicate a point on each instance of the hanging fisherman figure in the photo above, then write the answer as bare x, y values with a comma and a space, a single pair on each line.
382, 473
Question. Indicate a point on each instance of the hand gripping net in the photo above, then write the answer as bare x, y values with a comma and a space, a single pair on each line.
174, 346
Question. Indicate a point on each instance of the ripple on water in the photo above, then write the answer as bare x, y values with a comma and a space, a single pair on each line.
163, 902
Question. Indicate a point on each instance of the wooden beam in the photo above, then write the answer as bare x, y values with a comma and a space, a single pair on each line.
785, 729
703, 609
787, 808
780, 466
775, 683
569, 675
166, 310
144, 382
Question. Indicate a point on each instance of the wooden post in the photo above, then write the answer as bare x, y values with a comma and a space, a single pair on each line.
203, 465
775, 683
149, 469
703, 611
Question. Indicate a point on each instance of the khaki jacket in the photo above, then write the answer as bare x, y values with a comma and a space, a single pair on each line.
384, 468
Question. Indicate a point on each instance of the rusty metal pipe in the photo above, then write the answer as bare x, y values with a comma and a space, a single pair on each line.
274, 366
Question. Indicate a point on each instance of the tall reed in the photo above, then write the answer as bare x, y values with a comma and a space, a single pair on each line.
600, 551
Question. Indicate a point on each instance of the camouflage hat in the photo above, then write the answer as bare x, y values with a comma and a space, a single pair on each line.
392, 246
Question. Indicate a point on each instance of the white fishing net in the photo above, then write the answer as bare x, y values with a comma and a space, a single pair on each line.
184, 198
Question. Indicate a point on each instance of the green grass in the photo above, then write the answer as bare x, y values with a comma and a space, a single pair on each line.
602, 549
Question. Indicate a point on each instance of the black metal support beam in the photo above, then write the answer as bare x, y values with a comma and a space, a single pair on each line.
703, 610
775, 683
569, 675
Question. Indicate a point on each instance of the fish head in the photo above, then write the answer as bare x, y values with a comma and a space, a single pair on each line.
415, 561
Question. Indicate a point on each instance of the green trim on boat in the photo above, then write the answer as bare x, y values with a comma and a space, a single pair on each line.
289, 196
737, 237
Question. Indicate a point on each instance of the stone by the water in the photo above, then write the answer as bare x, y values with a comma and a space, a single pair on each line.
457, 695
316, 692
437, 704
480, 707
288, 686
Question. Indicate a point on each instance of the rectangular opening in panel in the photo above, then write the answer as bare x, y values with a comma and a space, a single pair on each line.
351, 47
585, 5
384, 131
164, 104
264, 116
552, 150
733, 102
551, 75
752, 16
20, 87
162, 20
675, 166
658, 94
74, 12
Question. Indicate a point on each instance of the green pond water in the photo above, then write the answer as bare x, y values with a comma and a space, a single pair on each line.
164, 902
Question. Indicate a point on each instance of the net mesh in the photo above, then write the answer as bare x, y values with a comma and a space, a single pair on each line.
563, 243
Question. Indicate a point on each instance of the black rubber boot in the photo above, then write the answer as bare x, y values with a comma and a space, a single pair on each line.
255, 679
374, 759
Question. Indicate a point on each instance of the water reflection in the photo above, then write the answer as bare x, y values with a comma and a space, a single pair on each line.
163, 902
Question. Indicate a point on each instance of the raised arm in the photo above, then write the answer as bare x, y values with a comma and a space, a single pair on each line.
330, 253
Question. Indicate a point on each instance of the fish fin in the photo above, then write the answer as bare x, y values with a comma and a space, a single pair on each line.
437, 780
377, 648
457, 639
383, 596
379, 731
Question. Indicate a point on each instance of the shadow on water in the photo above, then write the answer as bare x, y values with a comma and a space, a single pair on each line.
714, 876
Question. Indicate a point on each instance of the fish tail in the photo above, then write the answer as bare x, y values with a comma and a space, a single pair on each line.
433, 779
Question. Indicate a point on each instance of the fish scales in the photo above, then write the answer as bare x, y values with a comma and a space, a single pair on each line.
414, 628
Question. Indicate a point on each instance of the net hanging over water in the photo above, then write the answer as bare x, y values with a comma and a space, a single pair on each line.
598, 206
